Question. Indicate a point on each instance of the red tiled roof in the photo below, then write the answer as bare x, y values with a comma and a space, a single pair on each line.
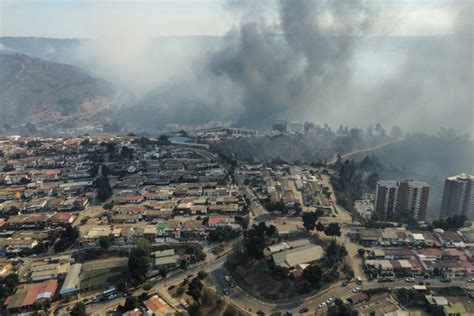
395, 264
432, 252
415, 264
37, 289
155, 303
213, 220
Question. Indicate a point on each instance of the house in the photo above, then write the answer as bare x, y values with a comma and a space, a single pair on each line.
72, 281
165, 259
62, 218
290, 258
379, 267
13, 245
43, 271
367, 236
358, 298
27, 295
157, 306
285, 245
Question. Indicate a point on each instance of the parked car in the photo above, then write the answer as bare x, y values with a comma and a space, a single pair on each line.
227, 278
356, 290
470, 280
445, 279
410, 280
322, 305
330, 300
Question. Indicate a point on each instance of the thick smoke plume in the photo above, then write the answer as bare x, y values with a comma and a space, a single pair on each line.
316, 60
299, 66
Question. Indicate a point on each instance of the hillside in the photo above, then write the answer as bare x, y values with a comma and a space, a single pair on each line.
49, 94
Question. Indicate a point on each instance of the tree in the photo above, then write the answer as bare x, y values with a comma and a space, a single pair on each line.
102, 185
78, 310
9, 285
105, 242
309, 219
271, 231
396, 132
314, 275
335, 253
254, 241
163, 273
361, 252
333, 230
66, 238
298, 208
131, 303
339, 308
195, 288
143, 244
202, 275
320, 227
183, 264
138, 265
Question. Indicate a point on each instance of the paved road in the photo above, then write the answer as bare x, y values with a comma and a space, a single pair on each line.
250, 304
352, 153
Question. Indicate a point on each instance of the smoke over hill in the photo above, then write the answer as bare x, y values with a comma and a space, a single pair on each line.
317, 60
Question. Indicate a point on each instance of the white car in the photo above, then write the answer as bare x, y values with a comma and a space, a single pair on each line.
356, 289
322, 305
410, 280
227, 278
330, 300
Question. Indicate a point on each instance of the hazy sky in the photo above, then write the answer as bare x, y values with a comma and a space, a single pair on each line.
96, 18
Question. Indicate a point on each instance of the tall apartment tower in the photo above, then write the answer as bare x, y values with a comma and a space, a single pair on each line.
458, 196
402, 198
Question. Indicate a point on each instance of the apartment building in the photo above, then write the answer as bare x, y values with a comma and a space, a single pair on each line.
458, 196
402, 198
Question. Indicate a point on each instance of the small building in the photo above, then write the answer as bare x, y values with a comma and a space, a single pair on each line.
27, 295
157, 306
72, 281
165, 259
290, 258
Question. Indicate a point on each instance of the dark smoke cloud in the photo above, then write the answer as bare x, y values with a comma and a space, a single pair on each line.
300, 65
433, 86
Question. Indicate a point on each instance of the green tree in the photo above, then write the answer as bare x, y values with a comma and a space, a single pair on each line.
271, 231
195, 289
163, 273
314, 275
102, 186
202, 275
9, 285
320, 227
183, 264
310, 218
333, 230
138, 265
78, 310
105, 242
143, 244
361, 252
131, 303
